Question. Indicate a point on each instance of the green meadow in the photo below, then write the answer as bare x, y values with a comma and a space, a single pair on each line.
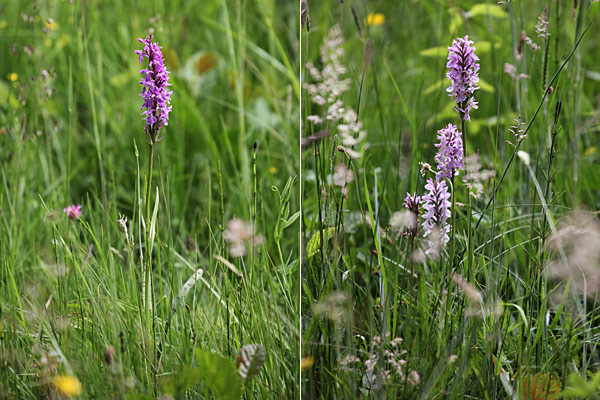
508, 307
155, 289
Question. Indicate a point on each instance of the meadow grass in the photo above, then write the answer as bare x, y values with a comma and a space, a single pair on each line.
72, 302
486, 319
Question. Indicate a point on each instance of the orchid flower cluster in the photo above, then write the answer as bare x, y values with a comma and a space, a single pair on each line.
155, 82
327, 87
436, 202
463, 72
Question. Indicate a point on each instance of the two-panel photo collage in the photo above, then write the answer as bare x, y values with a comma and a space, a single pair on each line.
299, 199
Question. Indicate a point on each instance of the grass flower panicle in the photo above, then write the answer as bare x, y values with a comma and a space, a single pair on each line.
450, 151
518, 131
463, 71
352, 133
526, 40
329, 83
436, 204
541, 28
155, 82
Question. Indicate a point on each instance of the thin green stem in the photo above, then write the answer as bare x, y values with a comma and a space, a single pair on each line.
148, 263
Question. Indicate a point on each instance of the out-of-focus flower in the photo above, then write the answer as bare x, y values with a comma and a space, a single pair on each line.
463, 72
13, 76
468, 289
156, 97
375, 19
67, 385
511, 70
404, 221
474, 175
413, 378
73, 211
239, 233
436, 204
334, 306
342, 176
348, 360
306, 363
576, 251
51, 25
450, 151
109, 354
452, 358
408, 219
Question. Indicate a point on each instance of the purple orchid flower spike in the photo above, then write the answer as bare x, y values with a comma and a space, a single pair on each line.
450, 151
463, 71
436, 204
155, 81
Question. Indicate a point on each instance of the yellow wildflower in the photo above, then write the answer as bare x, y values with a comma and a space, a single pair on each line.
375, 19
590, 151
51, 24
306, 363
67, 385
273, 170
13, 76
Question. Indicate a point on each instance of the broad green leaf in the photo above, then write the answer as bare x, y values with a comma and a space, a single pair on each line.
220, 375
124, 78
291, 220
578, 387
314, 244
442, 51
492, 10
483, 46
437, 86
6, 100
455, 22
486, 87
439, 51
176, 384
